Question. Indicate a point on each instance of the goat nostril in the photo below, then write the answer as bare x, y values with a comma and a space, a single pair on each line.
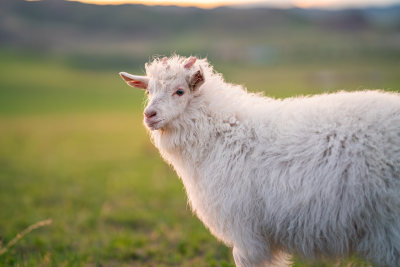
150, 114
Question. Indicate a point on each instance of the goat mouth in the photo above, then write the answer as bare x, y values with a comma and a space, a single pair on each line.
152, 124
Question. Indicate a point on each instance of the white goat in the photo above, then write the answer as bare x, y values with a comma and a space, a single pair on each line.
316, 176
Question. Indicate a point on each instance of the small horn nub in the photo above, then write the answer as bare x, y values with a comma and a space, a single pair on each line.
190, 62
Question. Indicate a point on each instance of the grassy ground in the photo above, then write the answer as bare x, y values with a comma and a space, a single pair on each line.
73, 149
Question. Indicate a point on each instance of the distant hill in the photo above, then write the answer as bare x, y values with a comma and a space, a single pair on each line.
136, 31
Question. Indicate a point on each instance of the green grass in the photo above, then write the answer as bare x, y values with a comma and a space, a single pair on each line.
73, 149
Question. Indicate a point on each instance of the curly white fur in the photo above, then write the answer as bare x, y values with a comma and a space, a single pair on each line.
313, 176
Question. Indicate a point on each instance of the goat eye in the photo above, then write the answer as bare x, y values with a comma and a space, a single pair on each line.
179, 92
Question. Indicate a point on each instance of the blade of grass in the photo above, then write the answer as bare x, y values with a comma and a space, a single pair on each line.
20, 235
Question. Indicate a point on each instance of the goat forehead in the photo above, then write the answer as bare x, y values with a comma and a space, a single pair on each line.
164, 75
164, 85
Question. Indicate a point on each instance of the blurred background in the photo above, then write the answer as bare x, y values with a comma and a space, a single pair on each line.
72, 145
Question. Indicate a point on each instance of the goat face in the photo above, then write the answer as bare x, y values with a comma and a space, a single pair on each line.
168, 94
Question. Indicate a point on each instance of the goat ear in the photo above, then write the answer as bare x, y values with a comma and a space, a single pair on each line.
196, 80
190, 62
135, 80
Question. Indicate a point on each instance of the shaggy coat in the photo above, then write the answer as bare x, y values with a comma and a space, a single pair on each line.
315, 176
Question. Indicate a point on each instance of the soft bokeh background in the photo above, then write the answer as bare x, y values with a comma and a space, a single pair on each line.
72, 145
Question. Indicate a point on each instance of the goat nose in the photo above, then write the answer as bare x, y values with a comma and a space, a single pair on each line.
150, 113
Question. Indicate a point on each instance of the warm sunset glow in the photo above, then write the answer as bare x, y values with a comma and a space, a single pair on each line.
276, 3
314, 3
197, 3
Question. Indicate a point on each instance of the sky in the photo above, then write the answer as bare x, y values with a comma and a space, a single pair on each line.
273, 3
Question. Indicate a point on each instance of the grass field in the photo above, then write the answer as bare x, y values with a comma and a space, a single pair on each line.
73, 150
